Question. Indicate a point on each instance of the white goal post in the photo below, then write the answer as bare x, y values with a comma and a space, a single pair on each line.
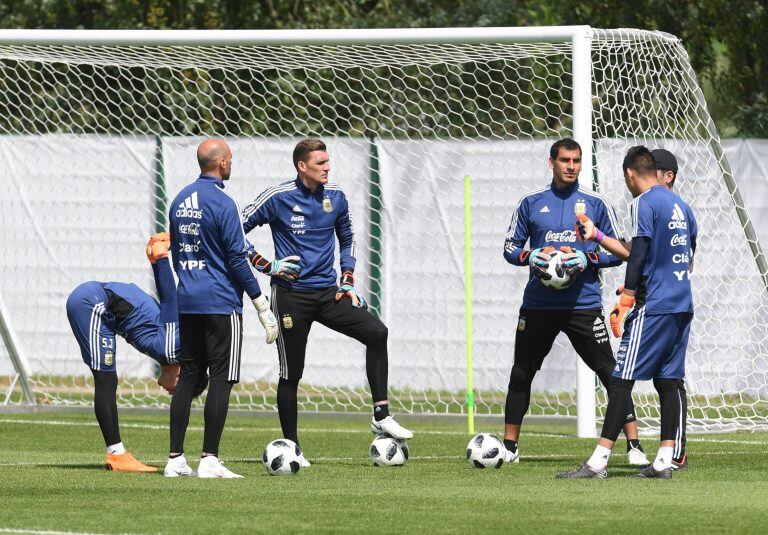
98, 129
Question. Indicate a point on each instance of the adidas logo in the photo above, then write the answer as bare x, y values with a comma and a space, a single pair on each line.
296, 209
598, 321
678, 219
544, 210
189, 208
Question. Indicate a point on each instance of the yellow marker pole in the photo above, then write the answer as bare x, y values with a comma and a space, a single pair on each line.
468, 303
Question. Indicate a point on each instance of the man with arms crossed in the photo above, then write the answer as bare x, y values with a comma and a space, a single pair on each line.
305, 216
210, 256
655, 310
544, 218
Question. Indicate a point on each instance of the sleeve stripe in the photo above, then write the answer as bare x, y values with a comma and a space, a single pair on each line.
263, 197
513, 223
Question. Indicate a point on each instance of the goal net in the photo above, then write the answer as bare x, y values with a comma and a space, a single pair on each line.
97, 138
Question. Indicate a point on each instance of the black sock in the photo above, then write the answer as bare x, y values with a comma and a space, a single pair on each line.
634, 443
380, 412
511, 445
105, 405
287, 408
518, 395
175, 455
215, 414
619, 401
181, 402
377, 363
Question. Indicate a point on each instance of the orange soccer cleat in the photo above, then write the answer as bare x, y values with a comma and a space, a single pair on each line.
125, 462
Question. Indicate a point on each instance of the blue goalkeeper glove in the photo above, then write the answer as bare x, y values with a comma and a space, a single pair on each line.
574, 261
347, 287
539, 261
288, 268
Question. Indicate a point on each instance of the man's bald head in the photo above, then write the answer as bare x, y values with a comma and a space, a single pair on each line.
214, 158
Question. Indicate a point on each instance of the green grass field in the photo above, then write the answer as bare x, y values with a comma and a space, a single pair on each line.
52, 479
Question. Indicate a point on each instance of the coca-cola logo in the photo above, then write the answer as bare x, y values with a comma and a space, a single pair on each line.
564, 236
679, 239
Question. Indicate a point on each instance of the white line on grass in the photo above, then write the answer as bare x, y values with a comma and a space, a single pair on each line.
361, 458
331, 430
47, 532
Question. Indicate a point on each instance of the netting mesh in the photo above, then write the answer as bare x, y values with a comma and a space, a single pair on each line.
98, 139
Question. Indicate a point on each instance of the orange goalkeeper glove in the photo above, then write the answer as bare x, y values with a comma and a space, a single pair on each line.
158, 246
619, 313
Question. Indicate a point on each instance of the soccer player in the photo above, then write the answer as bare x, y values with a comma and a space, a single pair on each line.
210, 258
666, 173
97, 312
655, 310
303, 215
545, 218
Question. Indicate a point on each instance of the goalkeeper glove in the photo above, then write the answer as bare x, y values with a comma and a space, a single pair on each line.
158, 246
575, 261
288, 268
266, 317
619, 313
347, 287
586, 229
539, 262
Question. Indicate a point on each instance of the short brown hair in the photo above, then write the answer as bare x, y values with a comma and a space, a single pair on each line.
640, 160
304, 147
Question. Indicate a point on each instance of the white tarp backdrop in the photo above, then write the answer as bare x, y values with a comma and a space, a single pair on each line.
78, 208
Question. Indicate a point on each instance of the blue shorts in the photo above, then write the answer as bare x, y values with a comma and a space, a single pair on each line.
653, 346
93, 325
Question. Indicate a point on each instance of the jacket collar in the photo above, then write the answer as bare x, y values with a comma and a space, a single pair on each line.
304, 189
564, 192
208, 178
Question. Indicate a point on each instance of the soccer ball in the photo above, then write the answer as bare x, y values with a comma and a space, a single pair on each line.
559, 278
387, 451
281, 457
486, 451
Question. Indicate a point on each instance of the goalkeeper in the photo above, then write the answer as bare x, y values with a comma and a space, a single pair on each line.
305, 216
544, 218
97, 312
666, 174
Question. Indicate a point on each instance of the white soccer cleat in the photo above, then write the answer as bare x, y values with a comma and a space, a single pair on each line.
388, 426
637, 457
303, 462
178, 467
512, 457
210, 467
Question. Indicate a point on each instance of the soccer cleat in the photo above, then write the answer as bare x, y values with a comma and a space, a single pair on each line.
637, 457
680, 464
388, 426
210, 467
650, 472
178, 467
125, 462
303, 462
584, 472
512, 456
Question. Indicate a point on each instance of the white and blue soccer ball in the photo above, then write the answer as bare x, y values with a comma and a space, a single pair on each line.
559, 278
387, 451
486, 451
281, 457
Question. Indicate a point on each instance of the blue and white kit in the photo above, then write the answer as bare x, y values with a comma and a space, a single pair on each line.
99, 311
547, 217
303, 224
656, 331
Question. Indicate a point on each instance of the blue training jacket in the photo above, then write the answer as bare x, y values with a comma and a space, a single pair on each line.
303, 224
150, 327
209, 250
547, 216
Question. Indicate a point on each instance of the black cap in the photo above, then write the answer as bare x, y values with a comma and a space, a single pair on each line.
664, 159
